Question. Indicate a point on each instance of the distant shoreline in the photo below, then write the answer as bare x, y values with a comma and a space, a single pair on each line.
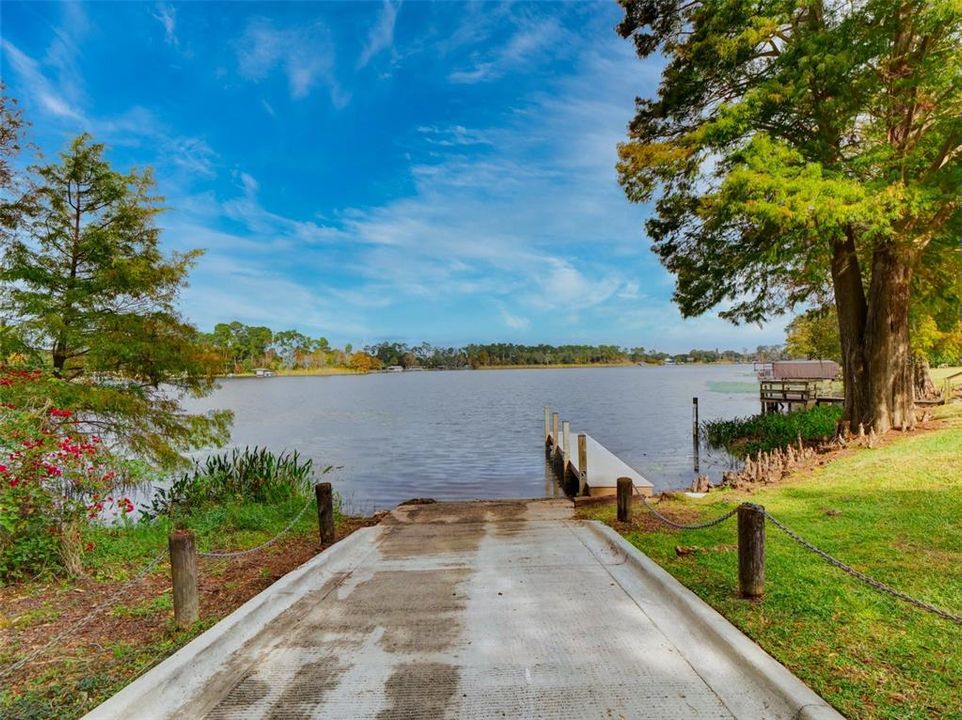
330, 371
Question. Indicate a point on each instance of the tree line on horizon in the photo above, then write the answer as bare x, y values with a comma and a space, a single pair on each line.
244, 348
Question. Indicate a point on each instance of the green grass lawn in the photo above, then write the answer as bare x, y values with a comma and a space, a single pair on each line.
895, 513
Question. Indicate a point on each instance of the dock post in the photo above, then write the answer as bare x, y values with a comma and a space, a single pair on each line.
751, 550
554, 433
582, 463
325, 512
695, 436
565, 451
625, 487
547, 423
183, 574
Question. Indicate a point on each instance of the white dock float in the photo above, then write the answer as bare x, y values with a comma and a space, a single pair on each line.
604, 467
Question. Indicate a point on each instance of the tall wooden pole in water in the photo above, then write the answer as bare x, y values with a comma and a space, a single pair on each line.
554, 433
547, 423
695, 432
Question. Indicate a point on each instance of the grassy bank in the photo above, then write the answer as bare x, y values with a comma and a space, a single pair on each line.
895, 513
136, 632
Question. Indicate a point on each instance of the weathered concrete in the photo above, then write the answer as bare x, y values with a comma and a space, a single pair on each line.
473, 610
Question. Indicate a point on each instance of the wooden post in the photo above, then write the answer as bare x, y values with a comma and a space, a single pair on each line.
325, 511
582, 463
183, 573
694, 416
554, 433
625, 487
565, 451
547, 423
751, 551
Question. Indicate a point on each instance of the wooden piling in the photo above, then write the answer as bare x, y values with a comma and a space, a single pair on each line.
554, 433
183, 574
547, 423
751, 551
625, 487
565, 451
695, 437
325, 512
582, 464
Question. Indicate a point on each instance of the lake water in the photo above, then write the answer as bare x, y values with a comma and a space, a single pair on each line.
479, 434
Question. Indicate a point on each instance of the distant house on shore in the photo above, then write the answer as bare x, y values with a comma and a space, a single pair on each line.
394, 368
263, 372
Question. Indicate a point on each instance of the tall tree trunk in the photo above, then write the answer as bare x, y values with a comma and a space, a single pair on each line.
852, 311
876, 360
891, 396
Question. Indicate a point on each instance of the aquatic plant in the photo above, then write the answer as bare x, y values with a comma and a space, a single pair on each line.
250, 474
748, 435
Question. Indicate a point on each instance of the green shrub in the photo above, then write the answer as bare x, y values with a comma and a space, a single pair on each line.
746, 436
252, 474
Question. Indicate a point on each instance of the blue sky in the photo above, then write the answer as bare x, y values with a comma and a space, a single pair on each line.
374, 171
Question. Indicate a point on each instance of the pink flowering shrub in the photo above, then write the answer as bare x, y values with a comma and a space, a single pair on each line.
53, 480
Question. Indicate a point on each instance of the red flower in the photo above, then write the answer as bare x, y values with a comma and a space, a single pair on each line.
59, 412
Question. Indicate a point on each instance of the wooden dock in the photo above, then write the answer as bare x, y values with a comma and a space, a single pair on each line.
583, 465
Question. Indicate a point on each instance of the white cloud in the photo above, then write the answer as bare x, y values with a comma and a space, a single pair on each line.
530, 40
50, 98
515, 322
382, 34
455, 135
305, 55
166, 15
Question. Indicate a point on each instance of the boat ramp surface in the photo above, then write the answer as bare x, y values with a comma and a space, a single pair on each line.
495, 609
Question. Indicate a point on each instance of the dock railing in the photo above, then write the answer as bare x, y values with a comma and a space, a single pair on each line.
585, 467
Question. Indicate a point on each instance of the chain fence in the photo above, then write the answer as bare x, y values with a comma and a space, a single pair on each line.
697, 526
262, 546
857, 574
870, 581
73, 627
122, 590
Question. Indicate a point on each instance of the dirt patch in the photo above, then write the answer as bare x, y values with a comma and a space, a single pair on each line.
644, 521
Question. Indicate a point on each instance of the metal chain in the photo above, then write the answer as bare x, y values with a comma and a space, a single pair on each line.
872, 582
679, 526
87, 618
258, 548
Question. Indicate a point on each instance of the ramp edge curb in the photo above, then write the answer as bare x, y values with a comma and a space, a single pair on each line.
805, 702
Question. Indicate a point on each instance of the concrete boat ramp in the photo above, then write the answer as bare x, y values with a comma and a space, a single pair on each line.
496, 609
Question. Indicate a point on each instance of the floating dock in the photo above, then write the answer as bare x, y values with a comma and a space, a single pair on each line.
585, 466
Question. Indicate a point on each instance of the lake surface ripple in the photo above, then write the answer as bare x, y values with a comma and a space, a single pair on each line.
479, 434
